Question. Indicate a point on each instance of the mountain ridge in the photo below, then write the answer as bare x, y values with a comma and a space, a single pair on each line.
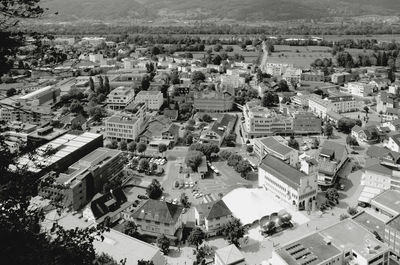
239, 10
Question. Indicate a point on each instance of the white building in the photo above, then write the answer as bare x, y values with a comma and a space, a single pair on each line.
263, 122
152, 99
338, 104
120, 97
359, 89
278, 147
277, 69
212, 216
123, 127
393, 143
289, 184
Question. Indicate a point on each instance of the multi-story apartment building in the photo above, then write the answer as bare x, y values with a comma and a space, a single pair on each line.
343, 243
74, 187
152, 99
296, 188
211, 217
213, 101
359, 89
292, 75
263, 122
338, 104
123, 127
48, 94
278, 147
155, 217
120, 97
313, 76
341, 78
277, 69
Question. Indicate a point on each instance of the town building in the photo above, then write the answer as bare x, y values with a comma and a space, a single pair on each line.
159, 130
155, 217
211, 217
289, 184
278, 147
292, 75
75, 186
339, 104
393, 125
341, 78
317, 76
346, 242
129, 249
331, 159
46, 95
393, 143
120, 97
277, 69
58, 154
107, 208
387, 203
213, 101
359, 89
392, 237
387, 101
44, 135
152, 99
217, 132
263, 122
368, 134
229, 255
123, 127
306, 123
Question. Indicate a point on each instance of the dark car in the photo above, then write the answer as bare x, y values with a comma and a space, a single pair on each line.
142, 197
354, 153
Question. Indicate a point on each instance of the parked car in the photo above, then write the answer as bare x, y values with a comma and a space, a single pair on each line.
162, 198
175, 201
142, 197
342, 186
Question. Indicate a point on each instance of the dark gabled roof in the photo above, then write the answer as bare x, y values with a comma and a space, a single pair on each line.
158, 211
338, 151
286, 173
101, 203
214, 210
377, 152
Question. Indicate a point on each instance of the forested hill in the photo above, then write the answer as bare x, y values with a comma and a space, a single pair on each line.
241, 10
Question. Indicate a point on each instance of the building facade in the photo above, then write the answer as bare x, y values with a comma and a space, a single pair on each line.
213, 101
123, 127
120, 97
152, 99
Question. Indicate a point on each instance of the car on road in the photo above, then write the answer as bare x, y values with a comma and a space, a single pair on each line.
175, 201
142, 197
162, 198
342, 186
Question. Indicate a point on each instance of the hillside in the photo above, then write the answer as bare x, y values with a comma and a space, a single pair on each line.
241, 10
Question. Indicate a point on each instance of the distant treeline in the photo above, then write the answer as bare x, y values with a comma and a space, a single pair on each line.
232, 29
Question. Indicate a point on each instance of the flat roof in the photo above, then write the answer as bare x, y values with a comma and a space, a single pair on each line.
310, 250
371, 223
118, 118
120, 246
388, 199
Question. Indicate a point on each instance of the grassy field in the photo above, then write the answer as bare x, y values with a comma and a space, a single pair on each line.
249, 57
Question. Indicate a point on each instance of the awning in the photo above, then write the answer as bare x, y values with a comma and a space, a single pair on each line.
158, 142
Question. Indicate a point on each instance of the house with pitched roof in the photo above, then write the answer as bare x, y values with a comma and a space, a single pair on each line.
155, 217
393, 125
219, 130
295, 187
107, 208
278, 147
332, 157
393, 143
368, 134
158, 130
212, 216
229, 255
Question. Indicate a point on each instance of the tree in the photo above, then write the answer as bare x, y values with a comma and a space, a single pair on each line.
282, 86
268, 100
112, 145
11, 92
100, 88
130, 229
217, 60
174, 77
163, 243
185, 200
145, 262
352, 211
91, 84
234, 159
350, 140
359, 122
154, 190
233, 231
197, 77
366, 109
97, 113
206, 118
132, 147
225, 154
105, 259
230, 140
162, 148
293, 143
101, 97
193, 159
207, 149
243, 167
249, 149
76, 107
189, 139
346, 124
328, 130
145, 83
123, 146
332, 195
141, 148
144, 164
196, 237
107, 88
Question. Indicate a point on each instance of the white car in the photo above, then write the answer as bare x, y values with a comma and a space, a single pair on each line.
175, 201
191, 184
186, 185
162, 198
